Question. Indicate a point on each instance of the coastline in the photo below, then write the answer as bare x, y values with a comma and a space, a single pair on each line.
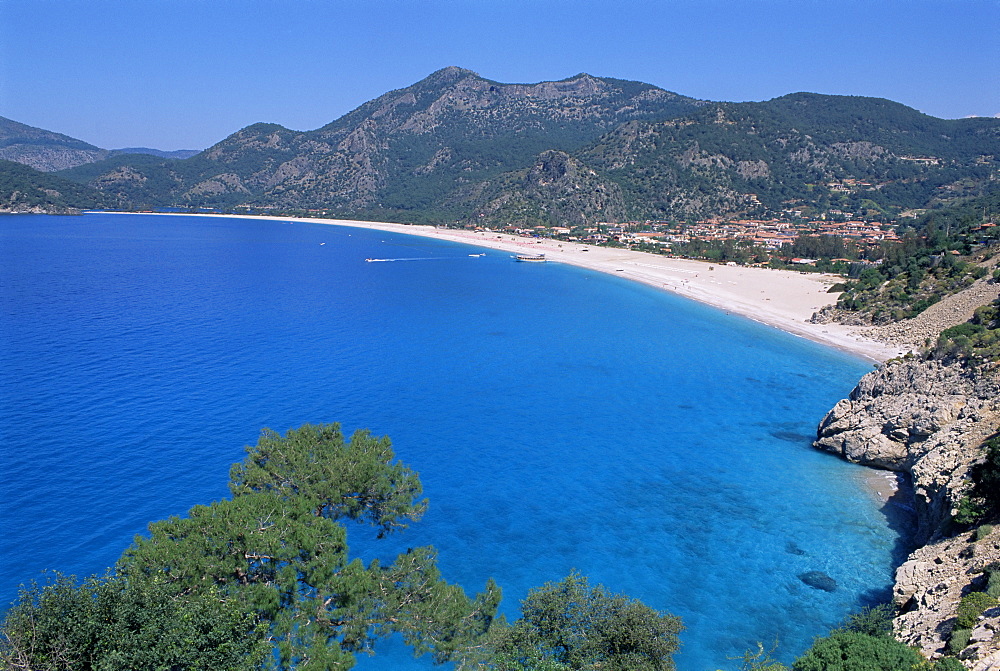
783, 299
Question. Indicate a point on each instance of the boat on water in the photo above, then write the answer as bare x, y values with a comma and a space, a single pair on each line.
531, 258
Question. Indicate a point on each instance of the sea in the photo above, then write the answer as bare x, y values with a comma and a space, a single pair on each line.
560, 419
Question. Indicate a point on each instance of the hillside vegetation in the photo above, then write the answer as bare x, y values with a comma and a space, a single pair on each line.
456, 148
24, 189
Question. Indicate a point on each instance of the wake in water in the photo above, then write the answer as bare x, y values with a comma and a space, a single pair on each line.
421, 258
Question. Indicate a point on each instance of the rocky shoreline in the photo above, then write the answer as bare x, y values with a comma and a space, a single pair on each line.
927, 419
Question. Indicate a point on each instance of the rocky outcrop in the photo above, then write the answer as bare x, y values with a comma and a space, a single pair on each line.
928, 419
923, 418
929, 586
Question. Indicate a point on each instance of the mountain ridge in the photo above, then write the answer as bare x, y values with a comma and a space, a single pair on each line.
454, 147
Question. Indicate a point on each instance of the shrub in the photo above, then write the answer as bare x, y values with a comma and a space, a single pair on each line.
948, 664
965, 329
873, 621
970, 510
959, 639
983, 531
850, 651
993, 584
971, 607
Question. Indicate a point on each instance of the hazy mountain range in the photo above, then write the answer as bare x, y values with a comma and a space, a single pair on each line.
456, 147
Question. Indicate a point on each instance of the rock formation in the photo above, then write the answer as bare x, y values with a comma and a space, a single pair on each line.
928, 588
922, 418
928, 419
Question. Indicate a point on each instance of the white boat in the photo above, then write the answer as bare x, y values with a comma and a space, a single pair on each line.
531, 258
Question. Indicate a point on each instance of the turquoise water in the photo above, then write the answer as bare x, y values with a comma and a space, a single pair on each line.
559, 418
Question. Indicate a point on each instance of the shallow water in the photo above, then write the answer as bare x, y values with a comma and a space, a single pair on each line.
559, 418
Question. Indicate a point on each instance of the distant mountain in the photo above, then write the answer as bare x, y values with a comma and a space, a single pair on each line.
24, 189
175, 154
401, 155
42, 149
456, 147
47, 151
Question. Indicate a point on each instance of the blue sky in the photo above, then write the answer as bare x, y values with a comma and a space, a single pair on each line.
176, 74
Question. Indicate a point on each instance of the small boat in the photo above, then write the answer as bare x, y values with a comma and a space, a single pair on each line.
531, 258
369, 260
478, 255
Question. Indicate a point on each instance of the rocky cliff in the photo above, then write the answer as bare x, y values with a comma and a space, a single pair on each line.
922, 418
928, 419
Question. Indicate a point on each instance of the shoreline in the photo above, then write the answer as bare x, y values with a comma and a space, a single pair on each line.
783, 299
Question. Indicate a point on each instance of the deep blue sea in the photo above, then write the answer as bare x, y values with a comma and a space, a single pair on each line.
559, 418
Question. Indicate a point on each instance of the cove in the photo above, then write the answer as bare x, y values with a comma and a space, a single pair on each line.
559, 418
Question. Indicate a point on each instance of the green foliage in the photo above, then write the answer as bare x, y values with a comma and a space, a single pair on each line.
575, 626
971, 607
761, 660
872, 620
851, 651
278, 549
983, 500
22, 187
971, 510
109, 624
353, 479
976, 341
948, 664
993, 583
983, 531
959, 639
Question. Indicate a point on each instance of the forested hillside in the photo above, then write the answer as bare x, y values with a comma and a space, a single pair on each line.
400, 156
24, 189
804, 153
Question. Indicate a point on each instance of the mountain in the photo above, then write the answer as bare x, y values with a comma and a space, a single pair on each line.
24, 189
458, 148
402, 154
47, 151
42, 149
804, 152
176, 153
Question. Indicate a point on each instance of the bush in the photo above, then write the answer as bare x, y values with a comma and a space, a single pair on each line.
983, 531
959, 639
971, 510
971, 607
965, 329
850, 651
873, 621
993, 584
948, 664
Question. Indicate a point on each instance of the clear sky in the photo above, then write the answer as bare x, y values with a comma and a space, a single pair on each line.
184, 74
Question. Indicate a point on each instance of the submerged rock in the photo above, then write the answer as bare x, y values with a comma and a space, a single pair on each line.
793, 549
819, 580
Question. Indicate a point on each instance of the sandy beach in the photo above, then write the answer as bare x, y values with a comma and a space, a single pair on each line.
780, 298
